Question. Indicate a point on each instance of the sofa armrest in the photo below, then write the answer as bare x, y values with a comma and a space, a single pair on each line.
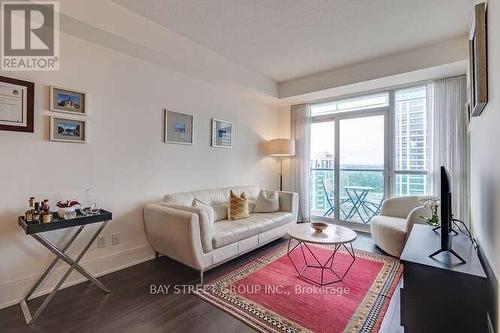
289, 202
399, 206
205, 223
415, 216
175, 233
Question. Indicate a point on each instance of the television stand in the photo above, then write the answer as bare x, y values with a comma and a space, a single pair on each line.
447, 250
442, 295
451, 251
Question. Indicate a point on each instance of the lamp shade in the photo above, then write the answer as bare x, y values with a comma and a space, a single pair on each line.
281, 147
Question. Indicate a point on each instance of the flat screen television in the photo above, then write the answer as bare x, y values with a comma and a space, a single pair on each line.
446, 216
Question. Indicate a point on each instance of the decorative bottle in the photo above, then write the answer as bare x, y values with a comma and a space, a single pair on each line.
28, 215
36, 213
46, 214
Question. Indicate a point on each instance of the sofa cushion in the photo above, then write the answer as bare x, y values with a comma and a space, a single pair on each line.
220, 210
251, 205
268, 221
238, 206
226, 232
267, 202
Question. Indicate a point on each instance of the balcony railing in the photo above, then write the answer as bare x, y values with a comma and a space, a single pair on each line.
361, 193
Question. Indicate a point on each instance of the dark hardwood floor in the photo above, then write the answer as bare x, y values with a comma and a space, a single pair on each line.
131, 308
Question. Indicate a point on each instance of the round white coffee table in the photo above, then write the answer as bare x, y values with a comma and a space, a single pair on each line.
333, 235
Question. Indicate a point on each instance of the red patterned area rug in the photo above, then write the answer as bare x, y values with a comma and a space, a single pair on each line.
269, 296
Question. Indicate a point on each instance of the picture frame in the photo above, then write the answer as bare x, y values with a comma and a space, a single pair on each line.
478, 71
68, 101
222, 133
178, 128
65, 129
17, 105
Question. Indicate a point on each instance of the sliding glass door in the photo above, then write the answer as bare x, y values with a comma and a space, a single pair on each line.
349, 162
362, 167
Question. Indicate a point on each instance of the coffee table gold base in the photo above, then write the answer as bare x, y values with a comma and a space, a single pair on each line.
328, 265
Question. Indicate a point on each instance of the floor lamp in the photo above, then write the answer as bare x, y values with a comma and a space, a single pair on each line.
281, 148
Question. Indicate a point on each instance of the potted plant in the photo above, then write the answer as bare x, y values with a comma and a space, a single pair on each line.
433, 205
67, 209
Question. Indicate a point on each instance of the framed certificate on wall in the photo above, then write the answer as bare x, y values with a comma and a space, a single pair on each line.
16, 105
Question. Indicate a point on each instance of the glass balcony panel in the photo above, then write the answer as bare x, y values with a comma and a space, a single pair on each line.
354, 177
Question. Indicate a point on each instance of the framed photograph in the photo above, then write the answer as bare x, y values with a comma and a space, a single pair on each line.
68, 100
222, 133
17, 100
68, 130
178, 128
478, 61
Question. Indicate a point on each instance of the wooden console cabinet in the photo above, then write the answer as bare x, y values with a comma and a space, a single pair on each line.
440, 294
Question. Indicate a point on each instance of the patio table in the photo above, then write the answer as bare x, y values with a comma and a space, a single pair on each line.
357, 196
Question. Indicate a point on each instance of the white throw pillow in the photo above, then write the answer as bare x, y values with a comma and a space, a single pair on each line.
210, 211
267, 202
220, 210
251, 205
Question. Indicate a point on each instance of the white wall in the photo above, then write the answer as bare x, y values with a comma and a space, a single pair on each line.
485, 159
125, 164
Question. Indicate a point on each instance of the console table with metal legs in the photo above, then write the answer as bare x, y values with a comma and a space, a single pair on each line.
36, 230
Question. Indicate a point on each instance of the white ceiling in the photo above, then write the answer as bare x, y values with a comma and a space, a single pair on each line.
286, 39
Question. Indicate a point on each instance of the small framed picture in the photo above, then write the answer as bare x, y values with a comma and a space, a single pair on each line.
68, 100
68, 130
178, 128
222, 133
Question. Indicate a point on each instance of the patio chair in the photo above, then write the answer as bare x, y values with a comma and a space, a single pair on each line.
373, 206
329, 192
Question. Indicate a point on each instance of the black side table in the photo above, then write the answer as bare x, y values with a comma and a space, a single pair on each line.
35, 230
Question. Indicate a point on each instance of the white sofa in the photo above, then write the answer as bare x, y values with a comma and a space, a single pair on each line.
185, 233
397, 217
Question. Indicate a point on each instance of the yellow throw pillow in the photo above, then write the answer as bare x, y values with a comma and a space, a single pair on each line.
238, 206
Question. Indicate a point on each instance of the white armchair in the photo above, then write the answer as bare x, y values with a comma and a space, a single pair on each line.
397, 217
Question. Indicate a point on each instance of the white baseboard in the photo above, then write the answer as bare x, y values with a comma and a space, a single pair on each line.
12, 292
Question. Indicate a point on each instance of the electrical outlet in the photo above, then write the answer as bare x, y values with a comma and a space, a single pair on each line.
115, 239
101, 241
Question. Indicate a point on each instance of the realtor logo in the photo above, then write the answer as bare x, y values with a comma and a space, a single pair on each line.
30, 35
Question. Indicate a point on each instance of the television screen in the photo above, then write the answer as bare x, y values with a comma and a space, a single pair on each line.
445, 210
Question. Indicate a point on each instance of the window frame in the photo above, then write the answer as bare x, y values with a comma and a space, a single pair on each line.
394, 172
391, 173
336, 117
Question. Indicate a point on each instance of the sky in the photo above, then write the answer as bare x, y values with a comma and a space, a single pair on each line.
361, 140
